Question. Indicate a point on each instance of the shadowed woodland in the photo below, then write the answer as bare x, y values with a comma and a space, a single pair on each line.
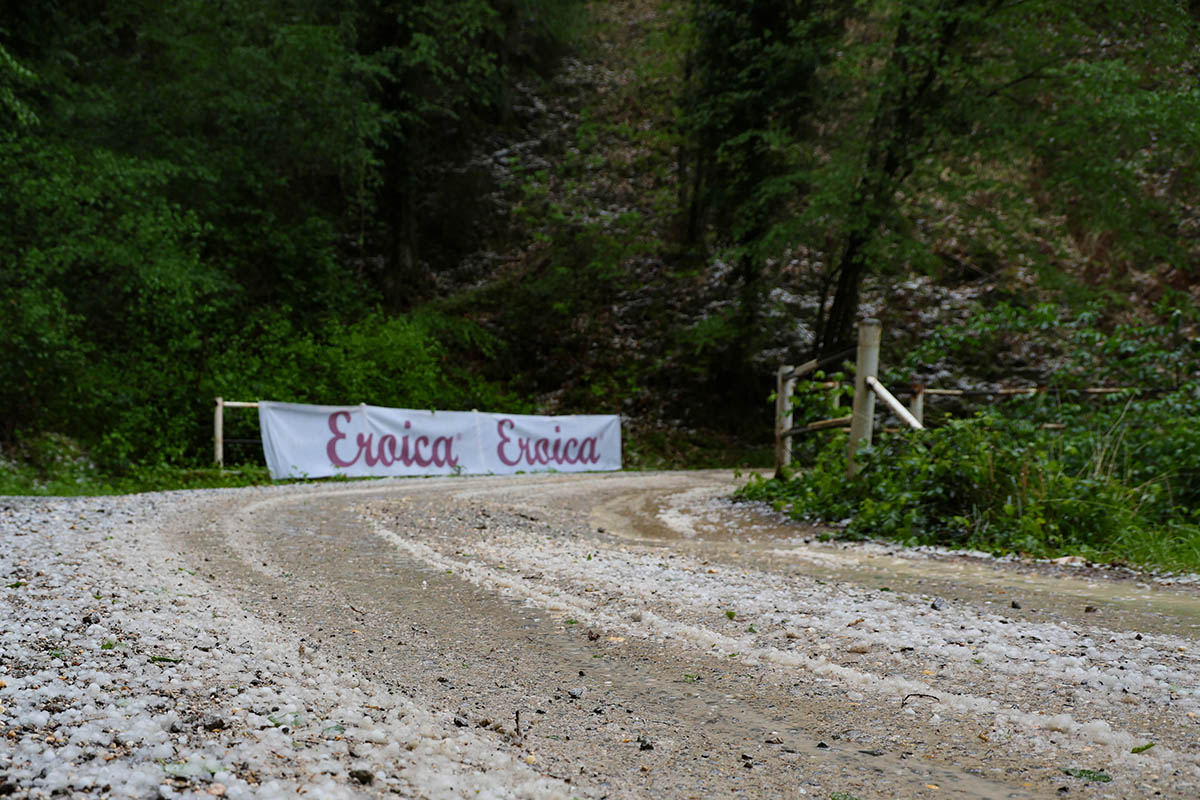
636, 207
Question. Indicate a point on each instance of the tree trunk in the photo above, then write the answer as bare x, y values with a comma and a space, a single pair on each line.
837, 333
896, 129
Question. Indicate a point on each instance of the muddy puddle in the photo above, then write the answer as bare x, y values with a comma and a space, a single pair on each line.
698, 522
615, 716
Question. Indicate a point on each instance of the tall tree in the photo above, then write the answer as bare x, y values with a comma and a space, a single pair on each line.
921, 102
749, 97
446, 75
176, 174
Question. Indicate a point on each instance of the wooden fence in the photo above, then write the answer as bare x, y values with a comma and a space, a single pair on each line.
861, 420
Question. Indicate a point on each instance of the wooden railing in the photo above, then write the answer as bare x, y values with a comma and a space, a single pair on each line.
861, 421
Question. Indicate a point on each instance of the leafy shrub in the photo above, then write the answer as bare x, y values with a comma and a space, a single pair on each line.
46, 463
1118, 479
401, 362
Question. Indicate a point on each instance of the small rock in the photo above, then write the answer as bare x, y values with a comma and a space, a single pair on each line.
645, 744
216, 789
1015, 604
576, 693
459, 722
1090, 609
773, 740
822, 746
363, 776
211, 722
938, 604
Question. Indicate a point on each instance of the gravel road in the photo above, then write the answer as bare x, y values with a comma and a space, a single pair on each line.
622, 635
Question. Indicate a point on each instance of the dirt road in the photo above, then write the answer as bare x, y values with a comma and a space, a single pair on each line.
634, 635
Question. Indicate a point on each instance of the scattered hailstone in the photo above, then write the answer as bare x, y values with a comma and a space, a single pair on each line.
1059, 722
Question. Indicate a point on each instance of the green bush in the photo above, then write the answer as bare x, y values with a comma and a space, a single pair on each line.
1117, 479
400, 362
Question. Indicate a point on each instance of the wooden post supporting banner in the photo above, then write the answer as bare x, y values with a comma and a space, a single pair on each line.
867, 363
219, 433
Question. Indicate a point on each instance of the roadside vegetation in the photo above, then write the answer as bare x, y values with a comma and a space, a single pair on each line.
637, 207
1114, 478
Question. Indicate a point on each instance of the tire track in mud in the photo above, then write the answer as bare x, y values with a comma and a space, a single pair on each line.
485, 599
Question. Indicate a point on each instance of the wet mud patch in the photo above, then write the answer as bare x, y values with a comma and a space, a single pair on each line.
713, 664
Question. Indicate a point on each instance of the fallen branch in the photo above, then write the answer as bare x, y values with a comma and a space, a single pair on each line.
918, 694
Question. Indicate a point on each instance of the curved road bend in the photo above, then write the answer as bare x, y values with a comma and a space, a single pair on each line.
642, 638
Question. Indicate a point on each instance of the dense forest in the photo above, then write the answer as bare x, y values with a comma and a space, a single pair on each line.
639, 207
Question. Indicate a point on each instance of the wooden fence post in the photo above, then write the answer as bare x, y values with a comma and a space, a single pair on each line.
867, 363
785, 384
916, 406
219, 433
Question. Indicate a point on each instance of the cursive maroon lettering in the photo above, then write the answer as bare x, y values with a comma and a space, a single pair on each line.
331, 447
423, 462
389, 450
513, 450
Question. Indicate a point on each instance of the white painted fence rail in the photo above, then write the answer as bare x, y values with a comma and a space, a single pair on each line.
897, 408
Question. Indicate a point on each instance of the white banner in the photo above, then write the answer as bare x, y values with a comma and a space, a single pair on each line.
305, 441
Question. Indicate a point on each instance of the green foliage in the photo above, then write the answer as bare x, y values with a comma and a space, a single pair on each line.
883, 138
55, 465
188, 206
102, 294
394, 361
1097, 776
818, 396
46, 463
754, 68
254, 199
14, 111
1080, 348
1121, 480
380, 359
